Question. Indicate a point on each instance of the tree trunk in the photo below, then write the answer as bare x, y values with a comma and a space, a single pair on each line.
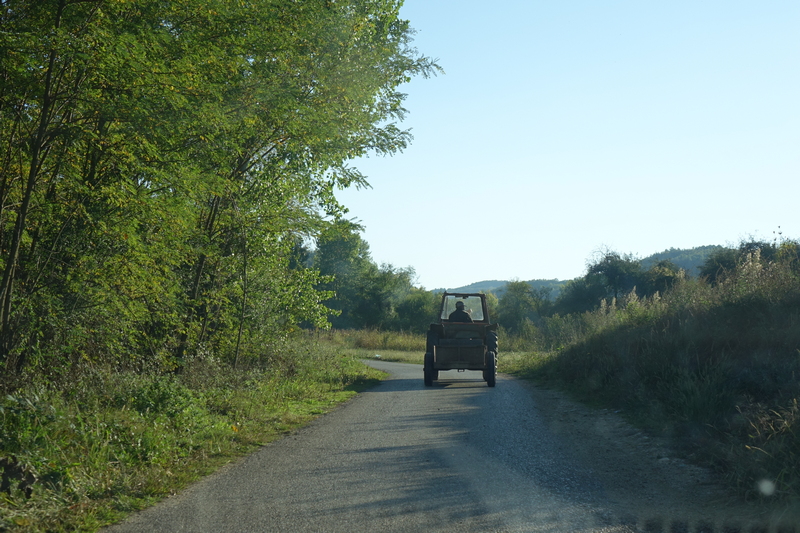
38, 150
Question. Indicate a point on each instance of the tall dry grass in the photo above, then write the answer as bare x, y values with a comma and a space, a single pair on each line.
373, 339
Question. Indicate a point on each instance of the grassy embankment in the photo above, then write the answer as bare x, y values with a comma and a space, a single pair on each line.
715, 367
106, 444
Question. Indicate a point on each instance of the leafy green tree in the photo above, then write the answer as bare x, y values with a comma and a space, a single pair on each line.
519, 304
343, 257
156, 158
611, 277
366, 295
620, 274
417, 310
287, 149
81, 226
718, 263
378, 295
581, 295
724, 261
660, 278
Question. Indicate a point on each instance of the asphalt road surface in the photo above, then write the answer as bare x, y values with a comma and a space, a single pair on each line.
455, 457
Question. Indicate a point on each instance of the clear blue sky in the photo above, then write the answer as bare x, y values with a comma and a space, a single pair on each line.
561, 128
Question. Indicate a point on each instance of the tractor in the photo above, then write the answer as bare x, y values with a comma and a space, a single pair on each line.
462, 338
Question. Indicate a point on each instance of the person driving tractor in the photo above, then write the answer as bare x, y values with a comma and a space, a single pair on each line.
459, 315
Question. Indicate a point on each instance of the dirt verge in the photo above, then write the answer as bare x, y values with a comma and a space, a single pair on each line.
649, 480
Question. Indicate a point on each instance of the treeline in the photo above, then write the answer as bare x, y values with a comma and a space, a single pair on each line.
610, 277
368, 296
364, 294
159, 163
613, 279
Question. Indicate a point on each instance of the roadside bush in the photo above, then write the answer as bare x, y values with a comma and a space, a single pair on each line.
770, 459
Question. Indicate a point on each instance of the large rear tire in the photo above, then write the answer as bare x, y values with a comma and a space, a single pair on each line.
431, 341
490, 371
491, 342
428, 371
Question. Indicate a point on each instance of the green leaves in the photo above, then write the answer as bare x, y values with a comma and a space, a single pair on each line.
157, 157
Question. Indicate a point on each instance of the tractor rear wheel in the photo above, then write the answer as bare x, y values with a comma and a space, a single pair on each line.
490, 371
428, 370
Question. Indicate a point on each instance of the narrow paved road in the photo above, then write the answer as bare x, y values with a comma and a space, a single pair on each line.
458, 456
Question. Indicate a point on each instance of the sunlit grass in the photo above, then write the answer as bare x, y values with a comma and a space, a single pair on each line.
372, 339
118, 442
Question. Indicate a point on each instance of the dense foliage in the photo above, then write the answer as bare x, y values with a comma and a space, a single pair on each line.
160, 160
365, 295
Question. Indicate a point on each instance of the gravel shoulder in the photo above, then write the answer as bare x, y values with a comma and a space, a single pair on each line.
644, 476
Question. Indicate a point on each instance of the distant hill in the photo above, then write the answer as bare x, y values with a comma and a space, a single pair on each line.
498, 287
689, 259
480, 286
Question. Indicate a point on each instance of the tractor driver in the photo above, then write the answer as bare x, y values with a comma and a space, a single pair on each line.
459, 315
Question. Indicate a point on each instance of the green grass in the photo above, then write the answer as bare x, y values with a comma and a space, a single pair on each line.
372, 339
115, 443
390, 346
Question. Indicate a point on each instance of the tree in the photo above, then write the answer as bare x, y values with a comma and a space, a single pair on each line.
366, 296
521, 303
718, 263
620, 274
343, 258
581, 295
378, 295
660, 278
417, 310
156, 159
81, 243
